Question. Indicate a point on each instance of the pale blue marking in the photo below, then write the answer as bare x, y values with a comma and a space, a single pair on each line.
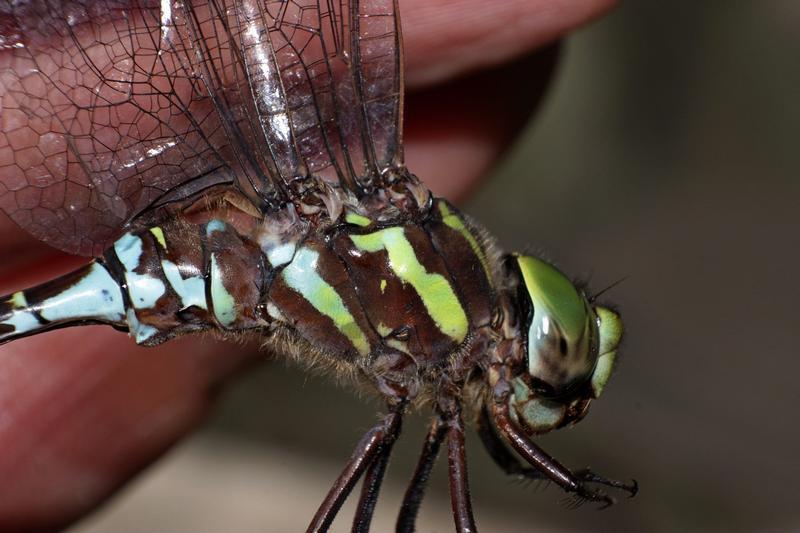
141, 333
96, 296
281, 254
541, 416
129, 251
22, 321
143, 289
224, 303
214, 225
191, 290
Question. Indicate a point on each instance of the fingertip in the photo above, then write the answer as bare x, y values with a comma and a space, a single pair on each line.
451, 37
84, 409
455, 132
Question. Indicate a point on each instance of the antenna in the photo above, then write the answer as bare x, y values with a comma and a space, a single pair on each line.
594, 297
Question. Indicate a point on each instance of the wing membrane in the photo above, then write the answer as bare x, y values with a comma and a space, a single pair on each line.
96, 123
340, 68
105, 106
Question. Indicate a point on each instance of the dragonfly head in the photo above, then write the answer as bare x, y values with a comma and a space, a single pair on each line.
570, 346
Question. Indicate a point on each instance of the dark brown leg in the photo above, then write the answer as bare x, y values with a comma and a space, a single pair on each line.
511, 465
459, 487
372, 486
550, 467
406, 520
365, 453
498, 451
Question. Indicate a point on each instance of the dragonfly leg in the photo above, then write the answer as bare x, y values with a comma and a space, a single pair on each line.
372, 486
574, 482
406, 520
457, 469
512, 466
500, 453
365, 453
588, 476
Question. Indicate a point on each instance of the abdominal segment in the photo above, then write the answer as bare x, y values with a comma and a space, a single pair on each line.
157, 284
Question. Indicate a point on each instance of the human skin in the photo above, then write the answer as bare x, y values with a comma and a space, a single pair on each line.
82, 410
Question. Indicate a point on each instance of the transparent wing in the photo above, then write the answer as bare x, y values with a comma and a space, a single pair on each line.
106, 107
99, 119
341, 64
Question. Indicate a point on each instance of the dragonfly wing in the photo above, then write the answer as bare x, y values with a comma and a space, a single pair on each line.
99, 119
108, 106
346, 89
321, 81
306, 87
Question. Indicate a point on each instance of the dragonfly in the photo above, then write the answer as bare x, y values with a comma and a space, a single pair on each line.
237, 166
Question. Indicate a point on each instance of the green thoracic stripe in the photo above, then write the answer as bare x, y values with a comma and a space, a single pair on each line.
302, 276
356, 219
454, 221
434, 290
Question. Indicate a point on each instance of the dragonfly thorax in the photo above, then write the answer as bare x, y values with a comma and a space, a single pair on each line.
361, 288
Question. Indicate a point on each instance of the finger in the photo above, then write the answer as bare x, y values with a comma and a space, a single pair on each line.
456, 131
447, 38
84, 410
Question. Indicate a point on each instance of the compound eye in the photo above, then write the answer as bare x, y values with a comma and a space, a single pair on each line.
611, 330
562, 333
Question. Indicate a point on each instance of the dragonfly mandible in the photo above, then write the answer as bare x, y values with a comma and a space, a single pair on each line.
238, 166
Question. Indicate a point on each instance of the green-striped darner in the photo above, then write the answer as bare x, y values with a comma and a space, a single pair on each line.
239, 167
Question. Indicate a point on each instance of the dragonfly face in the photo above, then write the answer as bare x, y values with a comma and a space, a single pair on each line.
239, 166
570, 350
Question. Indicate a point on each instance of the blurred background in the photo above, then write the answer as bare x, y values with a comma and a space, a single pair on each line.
666, 151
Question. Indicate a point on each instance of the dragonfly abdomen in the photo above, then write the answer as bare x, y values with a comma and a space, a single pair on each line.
188, 277
88, 295
157, 283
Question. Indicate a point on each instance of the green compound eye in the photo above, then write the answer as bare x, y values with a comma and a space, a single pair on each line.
563, 330
611, 329
569, 344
